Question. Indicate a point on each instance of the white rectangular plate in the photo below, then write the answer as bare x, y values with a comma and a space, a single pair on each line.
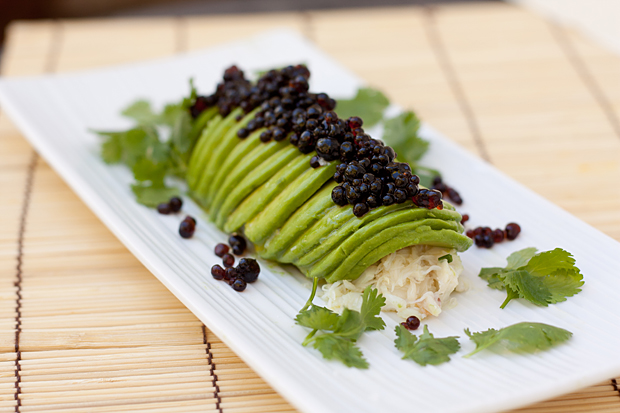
56, 112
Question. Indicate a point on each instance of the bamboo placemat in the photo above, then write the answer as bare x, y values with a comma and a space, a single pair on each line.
85, 327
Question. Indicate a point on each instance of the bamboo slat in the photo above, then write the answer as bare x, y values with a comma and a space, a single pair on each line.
84, 327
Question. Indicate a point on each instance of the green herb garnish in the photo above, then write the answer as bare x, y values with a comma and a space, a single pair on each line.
542, 278
425, 349
338, 333
401, 133
368, 104
447, 257
521, 338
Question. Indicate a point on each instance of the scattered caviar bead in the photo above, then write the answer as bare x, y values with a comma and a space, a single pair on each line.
388, 200
454, 196
190, 219
228, 260
294, 139
278, 134
230, 275
338, 196
243, 133
464, 218
428, 198
237, 250
487, 231
512, 231
470, 233
477, 231
314, 162
239, 284
175, 204
164, 208
400, 196
412, 323
221, 250
187, 229
483, 241
498, 235
237, 240
372, 201
249, 269
218, 272
360, 209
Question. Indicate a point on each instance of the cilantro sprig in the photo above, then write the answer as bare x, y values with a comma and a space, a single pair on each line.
335, 335
425, 349
368, 104
542, 278
521, 337
151, 158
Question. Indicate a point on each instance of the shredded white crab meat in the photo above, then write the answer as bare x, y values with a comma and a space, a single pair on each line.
413, 281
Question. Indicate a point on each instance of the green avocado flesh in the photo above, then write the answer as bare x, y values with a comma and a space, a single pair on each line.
284, 206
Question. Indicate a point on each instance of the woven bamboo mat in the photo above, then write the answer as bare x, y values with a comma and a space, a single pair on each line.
85, 327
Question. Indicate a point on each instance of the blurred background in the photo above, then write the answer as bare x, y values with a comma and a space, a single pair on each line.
600, 19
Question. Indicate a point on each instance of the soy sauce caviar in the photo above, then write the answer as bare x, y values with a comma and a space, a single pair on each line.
164, 208
228, 260
187, 227
239, 284
175, 204
368, 173
412, 323
218, 272
464, 218
249, 269
485, 237
221, 249
446, 190
237, 243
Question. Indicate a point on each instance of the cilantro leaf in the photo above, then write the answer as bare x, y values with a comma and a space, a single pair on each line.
372, 302
141, 112
146, 169
111, 148
521, 338
317, 318
425, 349
541, 278
339, 348
338, 333
152, 196
368, 104
401, 133
447, 257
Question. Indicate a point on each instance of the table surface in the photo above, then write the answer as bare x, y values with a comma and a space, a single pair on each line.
85, 327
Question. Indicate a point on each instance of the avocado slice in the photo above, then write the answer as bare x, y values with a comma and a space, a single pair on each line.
291, 198
193, 170
350, 249
232, 162
243, 169
368, 225
397, 237
221, 152
264, 171
204, 157
262, 196
299, 222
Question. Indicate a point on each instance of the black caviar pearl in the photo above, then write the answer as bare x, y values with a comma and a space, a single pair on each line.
412, 323
412, 189
258, 122
218, 272
389, 188
338, 196
349, 137
237, 240
282, 123
230, 275
187, 228
341, 167
237, 250
454, 196
347, 151
512, 231
251, 125
354, 171
326, 147
265, 136
299, 113
306, 142
221, 250
356, 182
249, 269
375, 186
314, 162
294, 139
239, 284
243, 133
338, 177
399, 179
428, 198
175, 204
387, 200
484, 241
389, 152
365, 163
314, 111
372, 201
498, 235
415, 180
312, 124
164, 208
376, 169
363, 152
363, 189
278, 134
369, 178
288, 103
228, 260
352, 195
354, 122
278, 111
400, 196
360, 209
